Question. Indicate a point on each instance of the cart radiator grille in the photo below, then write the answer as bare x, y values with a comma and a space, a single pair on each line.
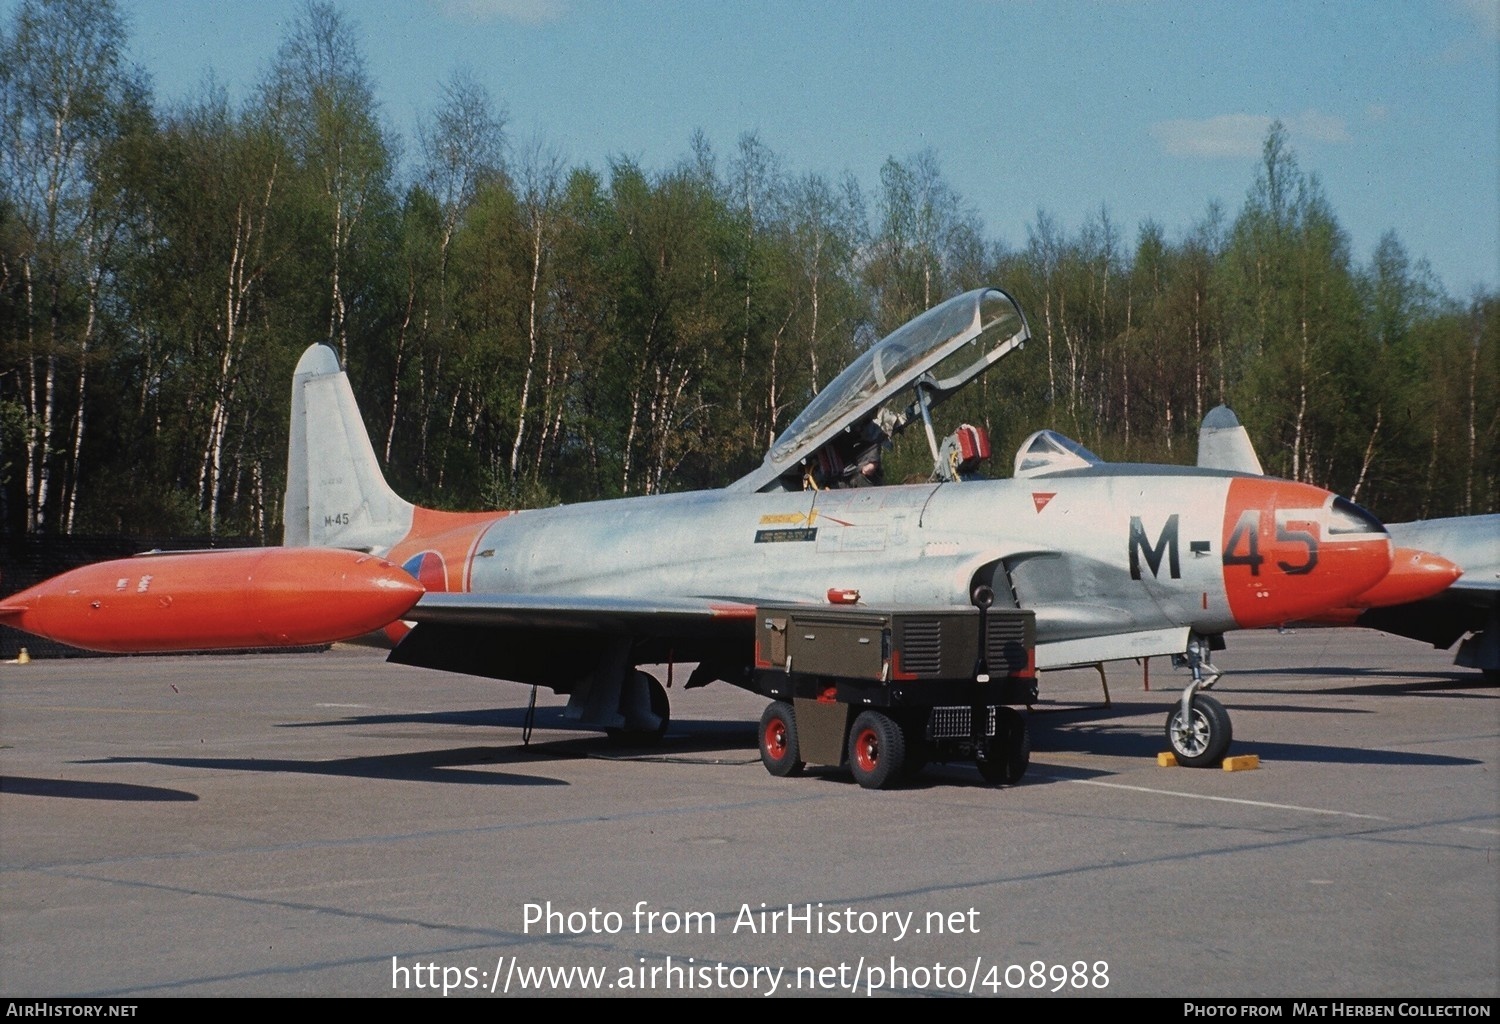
953, 723
1005, 645
922, 646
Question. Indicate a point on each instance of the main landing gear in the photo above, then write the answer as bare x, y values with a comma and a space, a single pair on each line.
629, 705
646, 709
1198, 729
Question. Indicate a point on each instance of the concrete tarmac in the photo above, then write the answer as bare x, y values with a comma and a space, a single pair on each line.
327, 824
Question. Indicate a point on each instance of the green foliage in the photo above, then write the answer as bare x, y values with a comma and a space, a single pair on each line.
522, 332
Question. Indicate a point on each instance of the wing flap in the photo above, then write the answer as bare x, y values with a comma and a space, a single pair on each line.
591, 613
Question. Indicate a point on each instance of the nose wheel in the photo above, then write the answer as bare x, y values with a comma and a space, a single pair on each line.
1200, 734
1198, 729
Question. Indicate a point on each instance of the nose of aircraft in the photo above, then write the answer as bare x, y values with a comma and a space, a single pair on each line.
1293, 551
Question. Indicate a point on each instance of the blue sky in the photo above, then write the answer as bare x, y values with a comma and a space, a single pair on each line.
1148, 108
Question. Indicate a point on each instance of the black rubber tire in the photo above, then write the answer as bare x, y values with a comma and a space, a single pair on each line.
1206, 740
877, 750
1009, 750
918, 751
779, 749
661, 707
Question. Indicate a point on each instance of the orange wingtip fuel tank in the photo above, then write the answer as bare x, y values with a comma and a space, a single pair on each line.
1414, 575
213, 600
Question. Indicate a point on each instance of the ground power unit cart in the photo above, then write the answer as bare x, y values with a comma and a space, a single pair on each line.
888, 690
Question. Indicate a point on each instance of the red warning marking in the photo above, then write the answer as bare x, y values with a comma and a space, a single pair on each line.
1040, 499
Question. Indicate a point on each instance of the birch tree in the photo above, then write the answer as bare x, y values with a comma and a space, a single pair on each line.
320, 99
66, 94
1296, 344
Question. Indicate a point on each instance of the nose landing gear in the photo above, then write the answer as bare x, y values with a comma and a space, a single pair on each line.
1198, 729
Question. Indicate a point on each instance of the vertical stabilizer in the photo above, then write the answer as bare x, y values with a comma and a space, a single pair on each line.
336, 495
1223, 443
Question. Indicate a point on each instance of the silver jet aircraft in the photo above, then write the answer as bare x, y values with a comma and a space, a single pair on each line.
1115, 561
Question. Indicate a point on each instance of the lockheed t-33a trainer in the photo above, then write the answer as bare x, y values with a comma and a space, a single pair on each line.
890, 624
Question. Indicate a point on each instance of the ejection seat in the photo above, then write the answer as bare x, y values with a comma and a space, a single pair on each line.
962, 452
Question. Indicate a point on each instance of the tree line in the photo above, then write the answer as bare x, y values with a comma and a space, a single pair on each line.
523, 332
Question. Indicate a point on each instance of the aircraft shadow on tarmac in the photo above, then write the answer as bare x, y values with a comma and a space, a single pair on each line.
1310, 753
444, 766
1090, 730
84, 789
549, 718
1077, 734
1363, 683
693, 735
694, 741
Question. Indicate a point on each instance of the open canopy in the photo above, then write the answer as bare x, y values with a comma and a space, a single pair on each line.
901, 376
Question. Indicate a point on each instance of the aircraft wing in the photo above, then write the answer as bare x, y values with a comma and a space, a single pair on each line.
559, 641
1472, 542
1476, 587
683, 629
1471, 604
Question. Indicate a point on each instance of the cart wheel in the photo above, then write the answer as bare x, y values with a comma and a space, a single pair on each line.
877, 750
779, 750
1007, 755
918, 751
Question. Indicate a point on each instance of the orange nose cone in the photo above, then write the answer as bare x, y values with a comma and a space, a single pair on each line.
1292, 551
1414, 575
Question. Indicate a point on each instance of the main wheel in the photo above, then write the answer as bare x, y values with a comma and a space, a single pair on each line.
661, 707
1205, 739
779, 750
877, 750
1009, 752
642, 732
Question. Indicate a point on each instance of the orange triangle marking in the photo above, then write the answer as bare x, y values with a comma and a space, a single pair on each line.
1040, 499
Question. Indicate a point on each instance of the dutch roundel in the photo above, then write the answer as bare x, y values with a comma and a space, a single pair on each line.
429, 570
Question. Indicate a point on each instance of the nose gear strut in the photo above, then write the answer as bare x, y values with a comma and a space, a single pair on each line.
1198, 729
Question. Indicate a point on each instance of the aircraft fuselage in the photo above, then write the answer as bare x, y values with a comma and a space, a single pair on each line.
1096, 553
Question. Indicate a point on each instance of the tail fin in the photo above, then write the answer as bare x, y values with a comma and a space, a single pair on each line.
336, 495
1224, 444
